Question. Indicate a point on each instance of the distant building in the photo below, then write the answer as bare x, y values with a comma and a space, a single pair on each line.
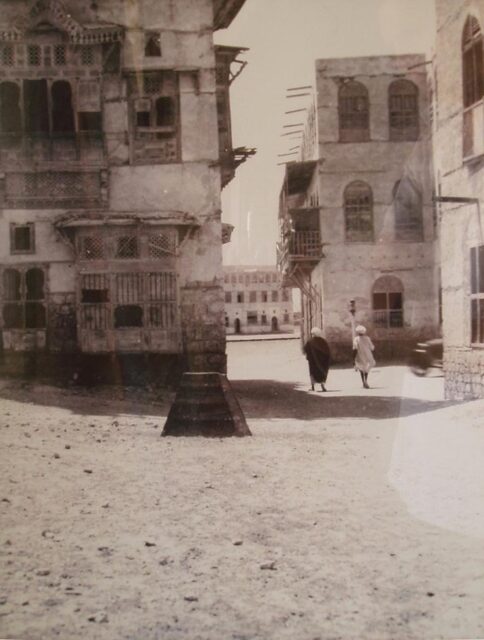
356, 212
459, 171
256, 301
115, 143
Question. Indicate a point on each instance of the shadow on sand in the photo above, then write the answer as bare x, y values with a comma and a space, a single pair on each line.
264, 399
270, 399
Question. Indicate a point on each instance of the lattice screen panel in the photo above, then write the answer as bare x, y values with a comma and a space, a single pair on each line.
162, 244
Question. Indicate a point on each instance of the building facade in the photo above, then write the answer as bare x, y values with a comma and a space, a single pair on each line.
115, 145
256, 301
356, 212
459, 174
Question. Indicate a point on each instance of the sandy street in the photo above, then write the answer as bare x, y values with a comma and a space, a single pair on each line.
350, 514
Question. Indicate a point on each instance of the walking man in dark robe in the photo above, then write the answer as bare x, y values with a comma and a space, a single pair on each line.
318, 357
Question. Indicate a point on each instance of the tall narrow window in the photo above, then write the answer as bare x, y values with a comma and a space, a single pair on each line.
407, 203
24, 296
477, 294
388, 302
36, 106
472, 62
358, 211
403, 110
165, 112
62, 111
10, 117
354, 112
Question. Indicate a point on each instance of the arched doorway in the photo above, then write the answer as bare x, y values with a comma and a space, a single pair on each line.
237, 325
274, 324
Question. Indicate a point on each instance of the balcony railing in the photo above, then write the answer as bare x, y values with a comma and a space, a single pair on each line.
18, 148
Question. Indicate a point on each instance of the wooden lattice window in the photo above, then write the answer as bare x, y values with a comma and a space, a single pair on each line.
34, 55
403, 110
7, 56
388, 302
60, 57
358, 212
477, 294
162, 244
88, 57
155, 111
24, 298
127, 247
93, 247
472, 62
354, 112
408, 208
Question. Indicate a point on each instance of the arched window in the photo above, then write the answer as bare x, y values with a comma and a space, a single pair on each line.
358, 211
407, 204
403, 110
472, 62
62, 111
10, 116
354, 112
387, 300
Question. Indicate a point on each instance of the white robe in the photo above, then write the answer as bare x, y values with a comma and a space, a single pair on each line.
364, 359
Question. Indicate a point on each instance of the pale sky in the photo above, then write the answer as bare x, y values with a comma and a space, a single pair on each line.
285, 37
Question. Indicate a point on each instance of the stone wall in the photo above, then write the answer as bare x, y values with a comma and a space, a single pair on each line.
457, 176
464, 373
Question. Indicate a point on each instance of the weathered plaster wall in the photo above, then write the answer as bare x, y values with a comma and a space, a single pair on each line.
349, 269
460, 225
190, 186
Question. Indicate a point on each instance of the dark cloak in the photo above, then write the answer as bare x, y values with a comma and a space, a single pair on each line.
318, 357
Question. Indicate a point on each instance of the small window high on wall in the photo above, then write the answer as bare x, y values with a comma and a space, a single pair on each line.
354, 112
472, 62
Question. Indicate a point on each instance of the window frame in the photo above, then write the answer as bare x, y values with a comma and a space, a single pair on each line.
476, 295
472, 53
403, 119
13, 228
388, 316
353, 112
24, 301
355, 212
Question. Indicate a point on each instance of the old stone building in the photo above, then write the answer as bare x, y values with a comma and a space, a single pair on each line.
256, 301
459, 171
356, 212
115, 144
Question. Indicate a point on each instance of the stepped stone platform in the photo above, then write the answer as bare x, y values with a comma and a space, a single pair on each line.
205, 405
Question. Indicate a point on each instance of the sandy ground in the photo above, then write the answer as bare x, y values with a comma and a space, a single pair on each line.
352, 514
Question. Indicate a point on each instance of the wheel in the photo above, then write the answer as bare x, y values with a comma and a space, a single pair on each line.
419, 363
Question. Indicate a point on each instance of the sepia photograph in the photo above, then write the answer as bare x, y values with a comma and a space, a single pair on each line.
241, 320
